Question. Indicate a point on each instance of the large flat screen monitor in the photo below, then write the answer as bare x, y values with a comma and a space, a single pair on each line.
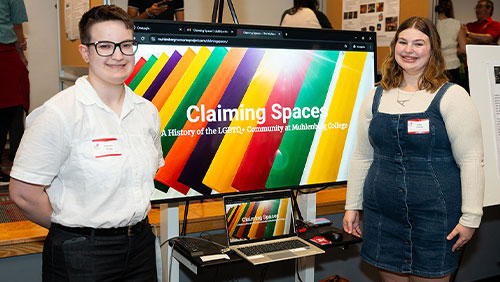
246, 108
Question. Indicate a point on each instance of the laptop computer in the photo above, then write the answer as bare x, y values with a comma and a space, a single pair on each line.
260, 227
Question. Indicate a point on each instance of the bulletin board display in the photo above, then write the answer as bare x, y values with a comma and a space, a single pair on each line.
70, 56
408, 8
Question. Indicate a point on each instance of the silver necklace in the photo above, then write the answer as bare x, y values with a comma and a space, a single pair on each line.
403, 101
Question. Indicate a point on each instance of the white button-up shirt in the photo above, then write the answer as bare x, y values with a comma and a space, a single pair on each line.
98, 168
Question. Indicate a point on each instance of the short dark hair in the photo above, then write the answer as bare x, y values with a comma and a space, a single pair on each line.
489, 4
433, 75
297, 4
445, 7
101, 14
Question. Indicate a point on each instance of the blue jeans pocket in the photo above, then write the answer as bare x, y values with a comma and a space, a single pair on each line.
78, 259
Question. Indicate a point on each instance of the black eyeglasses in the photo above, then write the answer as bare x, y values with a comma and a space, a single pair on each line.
107, 48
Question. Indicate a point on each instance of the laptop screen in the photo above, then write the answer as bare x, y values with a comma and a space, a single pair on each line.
259, 216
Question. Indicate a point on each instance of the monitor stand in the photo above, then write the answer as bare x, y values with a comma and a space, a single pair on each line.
169, 227
305, 266
219, 7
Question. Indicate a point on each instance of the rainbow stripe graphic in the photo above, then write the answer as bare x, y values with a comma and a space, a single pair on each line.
257, 220
238, 119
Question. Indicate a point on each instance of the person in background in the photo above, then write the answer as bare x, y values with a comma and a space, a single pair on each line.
14, 101
156, 9
86, 164
485, 30
417, 166
452, 35
305, 13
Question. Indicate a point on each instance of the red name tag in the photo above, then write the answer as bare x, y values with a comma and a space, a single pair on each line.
418, 126
106, 147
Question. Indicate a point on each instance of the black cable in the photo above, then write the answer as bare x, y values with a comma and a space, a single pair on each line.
184, 224
300, 223
207, 234
297, 270
296, 205
301, 191
161, 245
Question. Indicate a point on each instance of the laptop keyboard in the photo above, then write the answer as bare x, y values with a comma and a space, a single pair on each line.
272, 247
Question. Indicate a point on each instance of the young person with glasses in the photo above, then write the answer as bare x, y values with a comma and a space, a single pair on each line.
86, 164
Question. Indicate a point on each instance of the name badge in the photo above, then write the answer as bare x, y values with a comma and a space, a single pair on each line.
106, 147
418, 126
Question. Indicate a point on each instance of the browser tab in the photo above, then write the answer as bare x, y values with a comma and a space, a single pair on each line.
209, 31
263, 34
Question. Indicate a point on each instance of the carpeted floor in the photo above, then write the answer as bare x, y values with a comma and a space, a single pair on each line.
8, 210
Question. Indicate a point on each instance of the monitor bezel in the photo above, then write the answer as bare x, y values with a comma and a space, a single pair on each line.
304, 34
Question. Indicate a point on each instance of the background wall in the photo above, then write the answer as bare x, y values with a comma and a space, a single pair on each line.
42, 52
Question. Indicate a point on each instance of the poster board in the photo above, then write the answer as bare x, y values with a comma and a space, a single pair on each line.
485, 93
381, 17
248, 12
69, 48
408, 8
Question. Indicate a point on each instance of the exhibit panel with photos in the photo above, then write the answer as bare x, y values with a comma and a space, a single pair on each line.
484, 78
380, 16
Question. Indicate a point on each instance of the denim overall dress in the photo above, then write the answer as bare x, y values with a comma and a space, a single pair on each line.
412, 193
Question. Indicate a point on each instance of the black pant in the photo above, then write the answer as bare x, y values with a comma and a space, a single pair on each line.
12, 122
73, 257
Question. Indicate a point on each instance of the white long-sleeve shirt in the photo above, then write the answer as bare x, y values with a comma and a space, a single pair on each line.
463, 127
